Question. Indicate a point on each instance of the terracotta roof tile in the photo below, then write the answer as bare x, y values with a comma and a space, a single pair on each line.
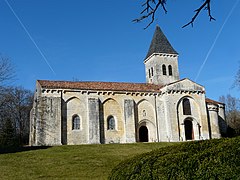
106, 86
210, 101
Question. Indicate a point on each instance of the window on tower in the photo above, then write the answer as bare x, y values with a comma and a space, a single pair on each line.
152, 70
170, 70
164, 70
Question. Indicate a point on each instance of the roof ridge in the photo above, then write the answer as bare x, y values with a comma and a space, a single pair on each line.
208, 100
104, 86
67, 81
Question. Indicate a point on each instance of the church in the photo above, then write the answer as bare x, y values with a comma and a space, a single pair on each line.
164, 109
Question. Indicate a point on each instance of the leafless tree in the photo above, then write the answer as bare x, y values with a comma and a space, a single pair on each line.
21, 101
6, 70
15, 106
232, 110
237, 79
150, 7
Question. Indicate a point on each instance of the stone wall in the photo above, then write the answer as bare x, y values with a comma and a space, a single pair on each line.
130, 122
161, 113
172, 97
46, 118
214, 130
154, 71
47, 121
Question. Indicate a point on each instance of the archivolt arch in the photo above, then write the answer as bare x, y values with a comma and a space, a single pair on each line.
111, 105
145, 121
75, 101
112, 109
193, 103
109, 99
74, 129
181, 99
143, 100
150, 128
195, 129
145, 110
194, 117
71, 98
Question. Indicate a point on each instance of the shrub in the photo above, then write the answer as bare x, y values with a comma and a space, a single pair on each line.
210, 159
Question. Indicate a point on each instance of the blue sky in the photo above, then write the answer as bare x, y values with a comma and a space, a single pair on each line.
96, 41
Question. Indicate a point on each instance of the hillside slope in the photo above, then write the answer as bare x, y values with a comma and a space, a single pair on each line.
69, 162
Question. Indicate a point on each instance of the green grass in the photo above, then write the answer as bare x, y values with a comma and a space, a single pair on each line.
70, 162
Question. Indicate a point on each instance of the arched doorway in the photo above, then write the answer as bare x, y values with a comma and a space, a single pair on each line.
188, 126
143, 134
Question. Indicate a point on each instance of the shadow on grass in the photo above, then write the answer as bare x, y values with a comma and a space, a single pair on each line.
21, 149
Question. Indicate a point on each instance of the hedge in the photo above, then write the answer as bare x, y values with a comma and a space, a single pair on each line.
209, 159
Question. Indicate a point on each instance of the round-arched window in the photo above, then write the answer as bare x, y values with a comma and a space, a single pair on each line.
111, 123
170, 70
164, 70
76, 122
186, 107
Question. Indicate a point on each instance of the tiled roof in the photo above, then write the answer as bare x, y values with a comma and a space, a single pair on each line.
210, 101
101, 86
160, 44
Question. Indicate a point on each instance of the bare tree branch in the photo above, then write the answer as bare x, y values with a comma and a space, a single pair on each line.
232, 109
237, 79
150, 9
151, 6
205, 5
6, 70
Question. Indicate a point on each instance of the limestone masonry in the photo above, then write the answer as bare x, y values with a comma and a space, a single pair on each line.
164, 108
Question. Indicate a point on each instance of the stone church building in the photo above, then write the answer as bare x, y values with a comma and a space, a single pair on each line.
165, 108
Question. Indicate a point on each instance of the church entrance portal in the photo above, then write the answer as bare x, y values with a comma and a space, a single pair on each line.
189, 134
143, 134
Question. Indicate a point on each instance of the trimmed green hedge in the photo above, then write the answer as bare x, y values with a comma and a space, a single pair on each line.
209, 159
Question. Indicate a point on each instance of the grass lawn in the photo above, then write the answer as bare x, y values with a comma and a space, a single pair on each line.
70, 162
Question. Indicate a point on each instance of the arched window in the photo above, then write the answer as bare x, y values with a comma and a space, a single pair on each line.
186, 107
170, 70
164, 70
76, 122
152, 70
111, 123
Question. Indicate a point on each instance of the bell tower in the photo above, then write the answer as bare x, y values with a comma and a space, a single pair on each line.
161, 62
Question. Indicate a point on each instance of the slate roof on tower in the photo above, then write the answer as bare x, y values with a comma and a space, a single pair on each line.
160, 44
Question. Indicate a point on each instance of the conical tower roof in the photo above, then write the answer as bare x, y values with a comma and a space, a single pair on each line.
160, 44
